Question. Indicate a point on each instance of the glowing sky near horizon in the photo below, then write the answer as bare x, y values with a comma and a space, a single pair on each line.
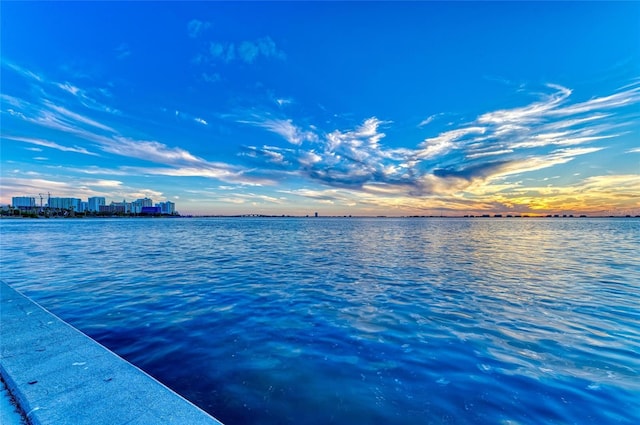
342, 108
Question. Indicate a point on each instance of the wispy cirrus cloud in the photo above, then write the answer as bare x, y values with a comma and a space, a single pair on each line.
252, 197
189, 117
85, 98
34, 185
546, 133
468, 164
144, 149
67, 117
69, 88
80, 188
529, 114
283, 127
447, 141
50, 144
22, 71
48, 114
271, 154
430, 119
106, 139
223, 172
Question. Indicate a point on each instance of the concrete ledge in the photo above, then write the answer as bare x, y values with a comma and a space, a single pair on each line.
58, 375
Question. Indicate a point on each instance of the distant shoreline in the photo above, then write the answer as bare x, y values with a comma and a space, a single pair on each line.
494, 217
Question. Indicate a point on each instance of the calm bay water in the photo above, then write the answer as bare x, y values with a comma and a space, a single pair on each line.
355, 321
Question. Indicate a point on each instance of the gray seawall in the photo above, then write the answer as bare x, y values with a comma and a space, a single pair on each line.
58, 375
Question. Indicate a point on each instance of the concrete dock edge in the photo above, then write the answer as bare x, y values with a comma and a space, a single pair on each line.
58, 375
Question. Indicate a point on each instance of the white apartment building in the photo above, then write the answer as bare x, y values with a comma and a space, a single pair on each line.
167, 207
93, 204
136, 206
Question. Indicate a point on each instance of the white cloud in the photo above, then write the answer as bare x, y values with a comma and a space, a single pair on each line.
285, 128
22, 71
15, 113
283, 101
494, 145
546, 132
52, 145
52, 115
445, 142
188, 117
430, 119
85, 99
95, 170
68, 88
254, 196
223, 51
615, 100
223, 172
13, 101
76, 117
529, 114
365, 138
274, 156
103, 183
196, 27
147, 150
247, 51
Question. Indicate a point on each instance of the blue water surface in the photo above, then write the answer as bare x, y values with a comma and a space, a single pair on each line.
355, 321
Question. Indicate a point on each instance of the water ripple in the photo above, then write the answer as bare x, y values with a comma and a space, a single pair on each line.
403, 321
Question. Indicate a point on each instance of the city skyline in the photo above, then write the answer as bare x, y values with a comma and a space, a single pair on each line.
92, 204
417, 108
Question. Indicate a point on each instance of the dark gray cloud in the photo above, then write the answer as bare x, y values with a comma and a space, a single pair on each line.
469, 173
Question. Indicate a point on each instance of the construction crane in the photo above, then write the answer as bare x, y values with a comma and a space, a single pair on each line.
41, 196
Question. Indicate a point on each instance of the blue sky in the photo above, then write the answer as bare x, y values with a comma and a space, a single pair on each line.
336, 107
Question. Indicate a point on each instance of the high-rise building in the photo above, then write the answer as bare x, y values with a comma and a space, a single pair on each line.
122, 207
167, 207
137, 205
23, 201
94, 203
65, 203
